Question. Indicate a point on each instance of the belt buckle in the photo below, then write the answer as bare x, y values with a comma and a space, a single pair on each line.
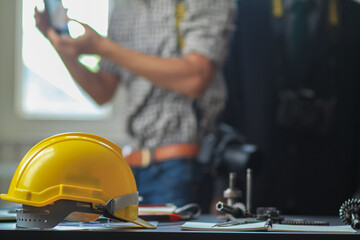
145, 158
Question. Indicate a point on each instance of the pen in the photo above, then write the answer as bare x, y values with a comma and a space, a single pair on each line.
236, 222
161, 217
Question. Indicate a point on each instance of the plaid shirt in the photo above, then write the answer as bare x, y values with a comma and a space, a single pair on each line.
156, 116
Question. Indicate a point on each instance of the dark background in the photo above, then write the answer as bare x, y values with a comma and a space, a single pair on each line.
302, 170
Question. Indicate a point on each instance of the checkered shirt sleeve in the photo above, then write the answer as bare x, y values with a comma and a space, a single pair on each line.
206, 28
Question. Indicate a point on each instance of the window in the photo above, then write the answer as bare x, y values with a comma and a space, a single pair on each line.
46, 90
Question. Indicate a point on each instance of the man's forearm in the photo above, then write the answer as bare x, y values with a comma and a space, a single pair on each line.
99, 86
189, 75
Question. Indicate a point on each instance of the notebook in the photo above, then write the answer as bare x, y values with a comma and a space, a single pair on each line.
263, 226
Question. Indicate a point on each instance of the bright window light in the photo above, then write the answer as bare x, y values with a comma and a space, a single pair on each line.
47, 89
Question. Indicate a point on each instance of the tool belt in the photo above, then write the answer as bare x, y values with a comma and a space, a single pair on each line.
144, 157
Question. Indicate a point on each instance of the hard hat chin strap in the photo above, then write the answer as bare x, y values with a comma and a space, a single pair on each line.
51, 215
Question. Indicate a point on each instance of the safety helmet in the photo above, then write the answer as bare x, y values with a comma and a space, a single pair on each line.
74, 173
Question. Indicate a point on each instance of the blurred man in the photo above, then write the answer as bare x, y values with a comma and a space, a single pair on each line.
168, 56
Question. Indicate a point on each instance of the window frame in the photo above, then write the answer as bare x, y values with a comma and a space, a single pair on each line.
16, 128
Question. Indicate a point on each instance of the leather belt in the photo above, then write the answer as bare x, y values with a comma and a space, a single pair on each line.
143, 158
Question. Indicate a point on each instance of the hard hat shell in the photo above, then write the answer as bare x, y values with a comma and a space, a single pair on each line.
72, 166
79, 167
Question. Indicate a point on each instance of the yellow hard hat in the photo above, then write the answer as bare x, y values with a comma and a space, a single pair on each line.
70, 173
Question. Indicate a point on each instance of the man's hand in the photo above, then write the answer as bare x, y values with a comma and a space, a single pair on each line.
88, 43
42, 21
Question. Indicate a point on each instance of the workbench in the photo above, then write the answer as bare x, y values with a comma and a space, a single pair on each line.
170, 231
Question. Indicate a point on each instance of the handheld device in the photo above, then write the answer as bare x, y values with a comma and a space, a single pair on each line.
57, 16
